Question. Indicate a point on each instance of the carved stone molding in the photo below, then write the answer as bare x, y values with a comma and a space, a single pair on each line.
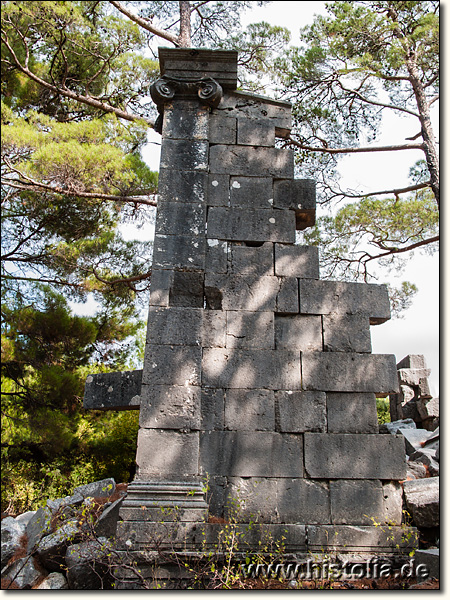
165, 89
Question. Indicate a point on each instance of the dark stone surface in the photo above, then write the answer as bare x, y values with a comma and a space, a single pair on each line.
113, 391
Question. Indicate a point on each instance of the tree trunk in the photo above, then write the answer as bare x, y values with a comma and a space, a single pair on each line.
184, 39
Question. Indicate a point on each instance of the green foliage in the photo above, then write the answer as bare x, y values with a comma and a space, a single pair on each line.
384, 415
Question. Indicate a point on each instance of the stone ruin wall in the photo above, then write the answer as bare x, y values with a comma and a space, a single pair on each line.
258, 375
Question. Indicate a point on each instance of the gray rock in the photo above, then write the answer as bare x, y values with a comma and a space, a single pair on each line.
412, 376
107, 524
251, 410
301, 411
87, 565
422, 501
52, 548
38, 527
298, 332
251, 192
412, 361
430, 560
97, 489
25, 517
185, 155
297, 261
251, 225
415, 470
24, 572
11, 532
428, 458
395, 426
54, 581
249, 161
415, 439
245, 260
255, 132
170, 407
351, 412
356, 502
119, 391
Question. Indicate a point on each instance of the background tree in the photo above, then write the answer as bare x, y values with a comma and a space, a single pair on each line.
364, 60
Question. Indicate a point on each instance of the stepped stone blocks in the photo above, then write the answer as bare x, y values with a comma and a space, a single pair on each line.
258, 376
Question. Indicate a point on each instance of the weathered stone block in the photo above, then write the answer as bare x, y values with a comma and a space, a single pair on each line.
327, 297
287, 297
222, 129
301, 411
298, 332
262, 369
185, 155
412, 376
185, 120
212, 408
250, 161
243, 104
364, 538
349, 372
87, 565
170, 407
412, 361
218, 190
172, 365
299, 195
216, 259
255, 132
351, 412
116, 391
357, 502
182, 186
186, 289
251, 225
346, 333
167, 453
422, 500
250, 329
178, 218
186, 327
183, 252
393, 502
160, 285
251, 192
247, 260
415, 439
246, 292
354, 456
250, 410
251, 454
277, 500
297, 261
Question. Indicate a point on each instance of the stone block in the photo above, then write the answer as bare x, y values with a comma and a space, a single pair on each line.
393, 502
395, 426
250, 329
218, 190
354, 456
287, 297
170, 407
247, 260
216, 496
222, 129
167, 453
160, 285
87, 565
180, 218
415, 439
301, 411
362, 538
299, 195
248, 369
255, 132
351, 412
172, 365
250, 410
349, 372
179, 252
113, 391
216, 259
97, 489
412, 361
412, 376
251, 161
243, 292
328, 297
251, 454
297, 261
429, 558
346, 333
186, 289
182, 186
25, 572
176, 326
53, 581
52, 548
212, 408
242, 104
277, 500
422, 501
250, 225
220, 65
37, 528
298, 332
185, 120
185, 155
251, 192
357, 502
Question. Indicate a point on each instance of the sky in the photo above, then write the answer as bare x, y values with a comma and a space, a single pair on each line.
418, 331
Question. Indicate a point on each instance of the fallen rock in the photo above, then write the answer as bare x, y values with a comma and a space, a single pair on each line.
24, 572
107, 523
422, 501
415, 439
429, 558
395, 426
54, 581
38, 527
87, 565
415, 470
51, 549
11, 533
97, 489
427, 457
